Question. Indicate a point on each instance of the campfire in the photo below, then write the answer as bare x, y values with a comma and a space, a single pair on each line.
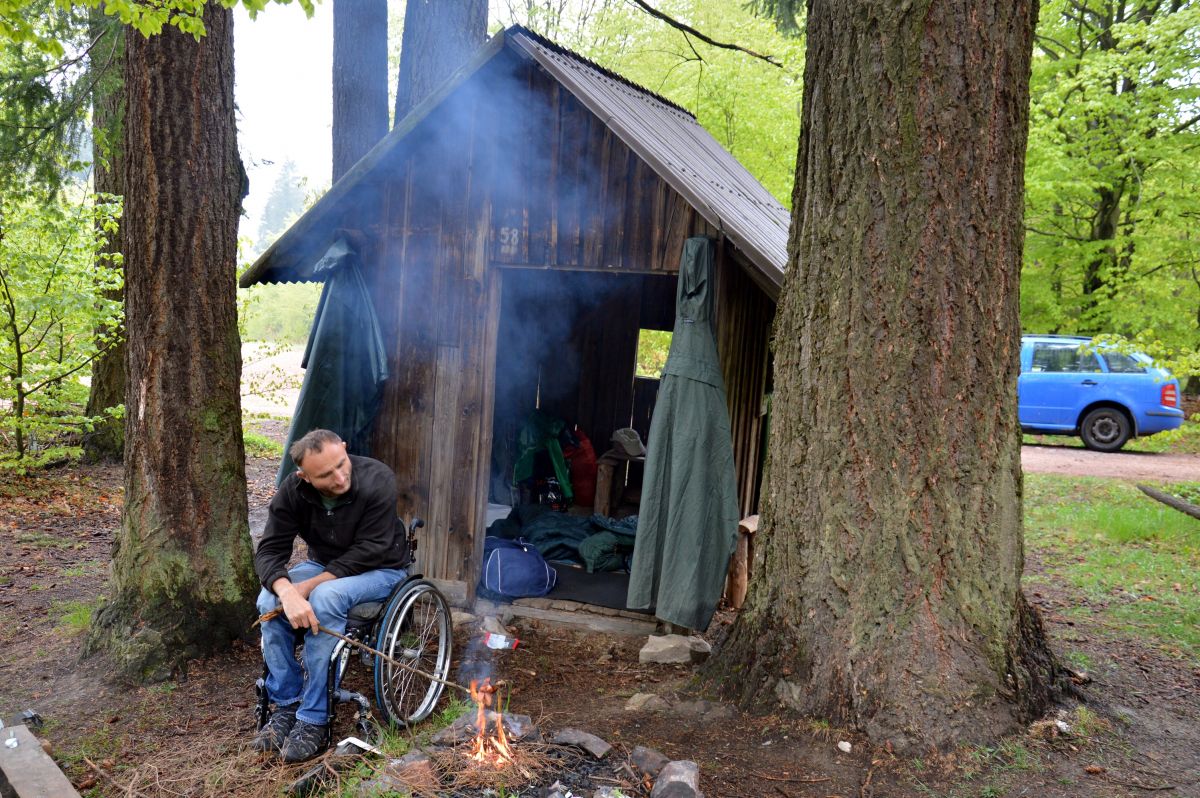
489, 749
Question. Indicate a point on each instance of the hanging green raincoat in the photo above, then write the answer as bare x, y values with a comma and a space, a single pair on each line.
687, 523
345, 364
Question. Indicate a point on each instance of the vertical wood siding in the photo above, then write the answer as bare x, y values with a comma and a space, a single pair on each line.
514, 184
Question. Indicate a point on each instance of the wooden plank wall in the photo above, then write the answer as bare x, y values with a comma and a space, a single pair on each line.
438, 304
580, 198
514, 181
745, 318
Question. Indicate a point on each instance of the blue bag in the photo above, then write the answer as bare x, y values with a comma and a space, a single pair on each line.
514, 569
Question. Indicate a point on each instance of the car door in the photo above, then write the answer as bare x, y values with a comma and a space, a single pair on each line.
1056, 383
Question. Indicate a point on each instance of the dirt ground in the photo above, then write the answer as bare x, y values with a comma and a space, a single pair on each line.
1137, 732
1074, 461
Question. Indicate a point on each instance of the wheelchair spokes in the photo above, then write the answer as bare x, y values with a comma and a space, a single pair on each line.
415, 630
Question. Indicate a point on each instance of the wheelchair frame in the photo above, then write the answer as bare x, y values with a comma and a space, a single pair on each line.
388, 627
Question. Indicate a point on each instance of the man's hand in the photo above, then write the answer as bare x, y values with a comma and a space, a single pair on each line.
295, 606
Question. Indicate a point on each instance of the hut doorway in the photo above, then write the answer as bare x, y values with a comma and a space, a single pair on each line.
566, 379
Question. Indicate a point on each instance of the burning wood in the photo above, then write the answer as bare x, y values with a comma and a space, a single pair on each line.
492, 749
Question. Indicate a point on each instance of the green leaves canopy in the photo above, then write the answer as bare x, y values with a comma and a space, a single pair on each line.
19, 21
1112, 176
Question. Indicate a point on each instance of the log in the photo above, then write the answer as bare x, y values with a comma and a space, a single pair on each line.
738, 579
1174, 502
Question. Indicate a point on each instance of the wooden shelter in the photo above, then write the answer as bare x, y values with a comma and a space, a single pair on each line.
518, 229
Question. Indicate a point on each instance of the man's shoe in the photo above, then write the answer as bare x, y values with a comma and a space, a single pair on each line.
273, 734
304, 741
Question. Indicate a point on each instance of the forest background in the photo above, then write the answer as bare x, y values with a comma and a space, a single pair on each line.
1112, 179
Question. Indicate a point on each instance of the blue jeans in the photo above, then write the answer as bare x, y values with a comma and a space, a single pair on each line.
332, 602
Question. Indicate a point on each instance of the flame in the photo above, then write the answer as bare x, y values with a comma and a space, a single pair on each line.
488, 749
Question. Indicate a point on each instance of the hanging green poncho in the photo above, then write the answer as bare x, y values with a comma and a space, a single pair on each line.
687, 523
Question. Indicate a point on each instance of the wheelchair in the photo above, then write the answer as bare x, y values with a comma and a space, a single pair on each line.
413, 626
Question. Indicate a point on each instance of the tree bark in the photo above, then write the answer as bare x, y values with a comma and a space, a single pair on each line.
106, 441
360, 72
439, 37
887, 596
182, 583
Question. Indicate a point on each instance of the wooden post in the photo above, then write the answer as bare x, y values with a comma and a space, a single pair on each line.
738, 579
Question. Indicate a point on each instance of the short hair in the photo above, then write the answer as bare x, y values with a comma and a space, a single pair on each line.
313, 441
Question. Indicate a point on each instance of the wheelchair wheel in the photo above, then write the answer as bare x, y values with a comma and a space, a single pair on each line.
415, 629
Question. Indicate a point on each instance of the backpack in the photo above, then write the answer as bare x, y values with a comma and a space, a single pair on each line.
514, 569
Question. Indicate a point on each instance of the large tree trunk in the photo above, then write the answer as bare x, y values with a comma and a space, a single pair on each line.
888, 594
107, 440
360, 73
182, 582
439, 37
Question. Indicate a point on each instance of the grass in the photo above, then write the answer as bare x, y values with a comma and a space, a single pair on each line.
84, 568
1137, 562
261, 446
43, 541
73, 616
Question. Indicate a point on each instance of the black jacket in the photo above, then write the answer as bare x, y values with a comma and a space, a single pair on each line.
359, 534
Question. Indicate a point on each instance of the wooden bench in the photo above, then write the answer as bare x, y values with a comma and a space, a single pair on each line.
27, 771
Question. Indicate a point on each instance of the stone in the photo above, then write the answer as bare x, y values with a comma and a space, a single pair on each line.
705, 709
683, 772
646, 702
581, 739
675, 789
490, 623
558, 790
674, 649
413, 772
648, 760
844, 747
459, 618
519, 727
461, 730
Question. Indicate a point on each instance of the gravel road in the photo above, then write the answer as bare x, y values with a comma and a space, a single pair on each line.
1120, 465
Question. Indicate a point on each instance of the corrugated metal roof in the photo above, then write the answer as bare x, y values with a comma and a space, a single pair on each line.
664, 135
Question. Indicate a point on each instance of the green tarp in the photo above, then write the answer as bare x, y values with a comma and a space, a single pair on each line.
345, 364
687, 524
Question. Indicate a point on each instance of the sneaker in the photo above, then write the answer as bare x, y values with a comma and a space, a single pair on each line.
304, 741
273, 733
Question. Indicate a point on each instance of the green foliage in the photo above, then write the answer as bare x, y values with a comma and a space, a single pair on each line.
749, 106
1112, 179
52, 300
43, 99
652, 350
282, 313
21, 23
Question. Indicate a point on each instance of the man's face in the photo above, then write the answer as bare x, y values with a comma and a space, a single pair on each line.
327, 470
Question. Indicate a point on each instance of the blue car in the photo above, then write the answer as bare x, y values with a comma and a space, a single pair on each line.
1104, 396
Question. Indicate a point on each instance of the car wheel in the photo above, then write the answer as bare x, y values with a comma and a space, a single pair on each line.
1105, 429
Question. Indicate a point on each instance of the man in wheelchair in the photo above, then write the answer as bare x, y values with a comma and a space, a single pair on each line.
344, 507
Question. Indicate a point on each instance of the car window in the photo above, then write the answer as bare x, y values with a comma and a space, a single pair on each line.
1121, 363
1064, 357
